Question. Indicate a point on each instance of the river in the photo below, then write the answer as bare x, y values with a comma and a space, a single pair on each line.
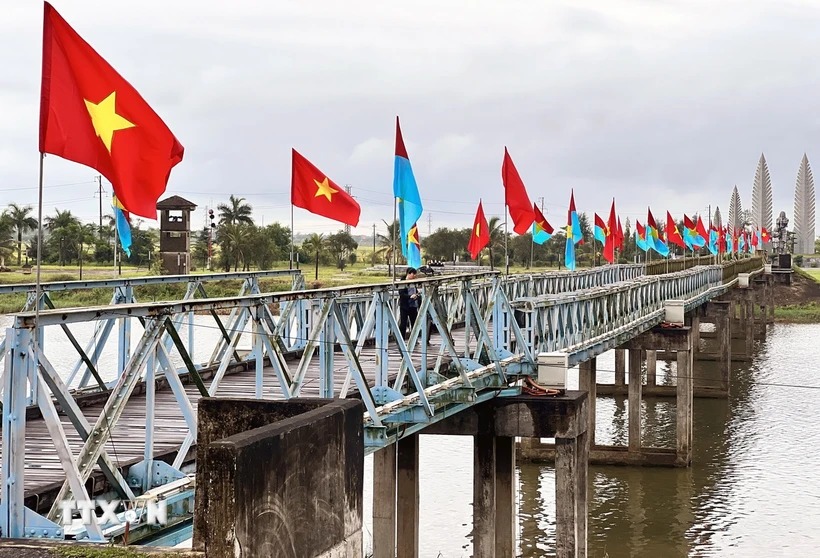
753, 489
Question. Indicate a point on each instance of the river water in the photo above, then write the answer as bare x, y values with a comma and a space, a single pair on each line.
753, 489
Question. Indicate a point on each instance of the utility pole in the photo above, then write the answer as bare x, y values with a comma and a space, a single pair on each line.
349, 190
374, 245
429, 224
99, 182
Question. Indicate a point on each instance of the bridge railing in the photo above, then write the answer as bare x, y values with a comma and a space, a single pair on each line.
88, 369
337, 324
588, 323
404, 384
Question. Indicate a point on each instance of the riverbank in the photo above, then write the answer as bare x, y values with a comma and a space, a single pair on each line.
798, 303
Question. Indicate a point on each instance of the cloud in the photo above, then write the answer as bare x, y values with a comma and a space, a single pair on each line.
667, 104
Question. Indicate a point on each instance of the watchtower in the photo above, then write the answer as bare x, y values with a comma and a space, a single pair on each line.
175, 234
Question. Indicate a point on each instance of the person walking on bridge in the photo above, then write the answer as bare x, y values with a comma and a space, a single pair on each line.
408, 303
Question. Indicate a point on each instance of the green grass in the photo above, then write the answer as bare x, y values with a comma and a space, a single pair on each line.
812, 272
806, 313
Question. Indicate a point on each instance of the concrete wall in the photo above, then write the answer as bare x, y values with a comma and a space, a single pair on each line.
279, 478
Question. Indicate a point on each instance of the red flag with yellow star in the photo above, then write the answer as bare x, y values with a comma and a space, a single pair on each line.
480, 235
91, 115
311, 189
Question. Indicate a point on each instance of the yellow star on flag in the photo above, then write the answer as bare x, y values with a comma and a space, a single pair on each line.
412, 236
478, 229
105, 119
324, 189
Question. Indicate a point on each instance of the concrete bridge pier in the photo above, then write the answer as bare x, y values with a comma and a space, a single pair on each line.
651, 367
396, 499
620, 368
677, 340
494, 425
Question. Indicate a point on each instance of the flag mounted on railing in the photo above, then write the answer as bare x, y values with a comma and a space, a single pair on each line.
122, 220
311, 189
574, 234
611, 235
653, 239
515, 196
414, 247
480, 235
714, 241
91, 115
672, 232
640, 236
541, 229
600, 230
406, 192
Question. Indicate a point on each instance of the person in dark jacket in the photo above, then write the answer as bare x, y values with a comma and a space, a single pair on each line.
408, 303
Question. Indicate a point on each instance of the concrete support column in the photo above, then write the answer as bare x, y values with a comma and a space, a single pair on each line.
749, 321
571, 457
384, 502
588, 381
484, 487
635, 383
695, 332
685, 396
651, 367
723, 329
407, 491
620, 367
505, 505
771, 301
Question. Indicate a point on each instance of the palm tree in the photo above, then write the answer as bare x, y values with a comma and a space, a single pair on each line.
496, 237
6, 238
59, 227
236, 211
313, 245
235, 239
22, 222
385, 241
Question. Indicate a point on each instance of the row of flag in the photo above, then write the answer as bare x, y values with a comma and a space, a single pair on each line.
695, 235
91, 115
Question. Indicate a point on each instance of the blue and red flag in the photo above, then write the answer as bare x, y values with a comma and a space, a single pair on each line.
541, 229
123, 223
406, 191
414, 247
574, 234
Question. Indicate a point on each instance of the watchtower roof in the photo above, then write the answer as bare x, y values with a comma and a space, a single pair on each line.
176, 202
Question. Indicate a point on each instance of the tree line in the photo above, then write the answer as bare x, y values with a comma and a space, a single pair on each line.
66, 239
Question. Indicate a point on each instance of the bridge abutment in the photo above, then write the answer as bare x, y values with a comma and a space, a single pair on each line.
279, 478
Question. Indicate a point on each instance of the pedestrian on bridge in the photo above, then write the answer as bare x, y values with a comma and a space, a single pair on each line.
408, 302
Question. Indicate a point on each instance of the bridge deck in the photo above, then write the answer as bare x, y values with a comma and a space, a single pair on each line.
44, 472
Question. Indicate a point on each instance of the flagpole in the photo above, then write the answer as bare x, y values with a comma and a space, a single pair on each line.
532, 249
291, 235
506, 254
393, 241
38, 287
116, 244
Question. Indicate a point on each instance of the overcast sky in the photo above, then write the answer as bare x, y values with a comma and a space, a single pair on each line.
666, 103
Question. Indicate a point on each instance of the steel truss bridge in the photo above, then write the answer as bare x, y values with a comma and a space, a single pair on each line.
76, 424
